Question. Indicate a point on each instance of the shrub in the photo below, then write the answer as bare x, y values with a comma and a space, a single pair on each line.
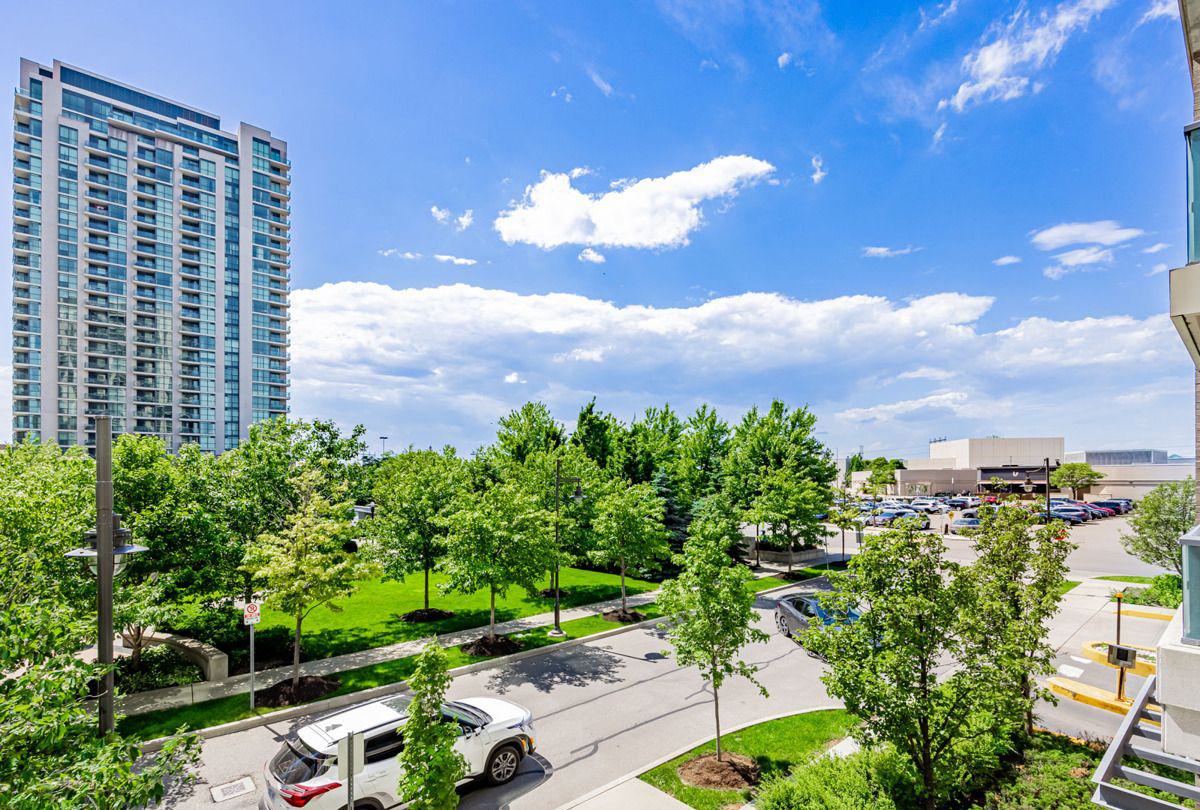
160, 666
867, 780
1165, 591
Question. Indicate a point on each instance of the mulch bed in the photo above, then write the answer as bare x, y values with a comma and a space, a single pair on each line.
548, 593
732, 772
623, 616
426, 615
310, 687
490, 645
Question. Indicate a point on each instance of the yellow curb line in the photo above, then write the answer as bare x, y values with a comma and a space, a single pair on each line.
1095, 696
1095, 650
1144, 614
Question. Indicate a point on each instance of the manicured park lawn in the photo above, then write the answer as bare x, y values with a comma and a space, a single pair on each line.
1133, 580
1066, 586
371, 617
236, 707
777, 745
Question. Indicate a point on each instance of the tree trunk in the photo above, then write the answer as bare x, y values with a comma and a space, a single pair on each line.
296, 653
492, 616
622, 583
717, 715
427, 586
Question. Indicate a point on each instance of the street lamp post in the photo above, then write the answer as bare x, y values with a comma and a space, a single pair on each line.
105, 557
577, 496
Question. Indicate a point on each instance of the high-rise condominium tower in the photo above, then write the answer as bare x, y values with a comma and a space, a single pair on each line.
150, 265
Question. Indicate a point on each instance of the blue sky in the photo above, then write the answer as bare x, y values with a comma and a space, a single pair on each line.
724, 202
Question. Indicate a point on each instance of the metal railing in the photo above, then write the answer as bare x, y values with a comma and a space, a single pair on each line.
1133, 738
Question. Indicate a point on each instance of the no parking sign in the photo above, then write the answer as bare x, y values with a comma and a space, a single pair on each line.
250, 614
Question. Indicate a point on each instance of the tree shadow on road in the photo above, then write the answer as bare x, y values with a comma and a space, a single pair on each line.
581, 666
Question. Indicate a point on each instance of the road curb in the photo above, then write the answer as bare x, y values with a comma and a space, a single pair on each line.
341, 701
644, 769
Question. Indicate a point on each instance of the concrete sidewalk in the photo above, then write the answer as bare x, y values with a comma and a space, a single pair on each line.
240, 684
629, 794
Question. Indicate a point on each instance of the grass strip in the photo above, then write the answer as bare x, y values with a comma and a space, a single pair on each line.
777, 746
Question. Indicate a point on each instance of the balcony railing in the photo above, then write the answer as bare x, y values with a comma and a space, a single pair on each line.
1139, 736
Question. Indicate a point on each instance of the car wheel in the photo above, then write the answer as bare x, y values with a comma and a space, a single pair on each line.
502, 765
783, 627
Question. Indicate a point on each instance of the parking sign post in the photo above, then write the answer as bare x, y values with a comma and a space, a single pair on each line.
350, 762
251, 617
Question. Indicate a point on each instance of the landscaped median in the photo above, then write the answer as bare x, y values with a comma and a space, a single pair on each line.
208, 713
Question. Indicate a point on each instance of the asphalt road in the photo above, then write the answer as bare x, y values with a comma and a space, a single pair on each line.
607, 708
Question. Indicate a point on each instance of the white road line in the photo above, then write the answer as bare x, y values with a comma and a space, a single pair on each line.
1069, 671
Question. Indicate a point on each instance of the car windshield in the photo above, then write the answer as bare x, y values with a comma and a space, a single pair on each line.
296, 763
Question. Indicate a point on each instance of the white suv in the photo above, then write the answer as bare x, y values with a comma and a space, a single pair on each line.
494, 735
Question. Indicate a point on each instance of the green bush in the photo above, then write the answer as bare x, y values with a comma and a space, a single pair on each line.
160, 666
222, 628
867, 780
1165, 591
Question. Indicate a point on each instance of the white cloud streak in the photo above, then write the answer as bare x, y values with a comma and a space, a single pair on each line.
591, 256
458, 260
1001, 67
657, 212
1004, 261
1101, 232
880, 252
818, 167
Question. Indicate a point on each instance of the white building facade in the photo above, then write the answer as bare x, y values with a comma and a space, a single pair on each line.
151, 265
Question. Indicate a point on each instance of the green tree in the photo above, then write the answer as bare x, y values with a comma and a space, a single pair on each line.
1165, 514
703, 445
630, 532
413, 493
883, 472
306, 564
260, 488
1018, 575
651, 444
790, 505
529, 429
710, 610
51, 755
596, 433
496, 540
429, 766
1075, 475
910, 667
777, 439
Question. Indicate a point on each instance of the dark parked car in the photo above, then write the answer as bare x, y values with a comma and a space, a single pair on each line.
964, 525
1056, 515
1121, 507
794, 614
889, 516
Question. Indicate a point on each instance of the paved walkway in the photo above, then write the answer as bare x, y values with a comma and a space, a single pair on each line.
626, 795
240, 684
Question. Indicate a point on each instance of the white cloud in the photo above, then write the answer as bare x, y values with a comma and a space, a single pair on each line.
1159, 269
1001, 67
926, 373
464, 221
446, 259
1004, 261
1157, 247
957, 403
429, 364
442, 215
709, 64
1101, 232
513, 377
657, 212
579, 171
939, 135
818, 167
783, 60
1160, 9
1080, 257
562, 92
398, 253
591, 255
598, 80
940, 13
879, 252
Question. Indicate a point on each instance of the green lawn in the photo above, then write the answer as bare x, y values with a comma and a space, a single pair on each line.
1066, 586
1133, 580
236, 707
371, 617
777, 745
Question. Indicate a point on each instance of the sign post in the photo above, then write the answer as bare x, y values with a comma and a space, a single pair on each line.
350, 762
251, 617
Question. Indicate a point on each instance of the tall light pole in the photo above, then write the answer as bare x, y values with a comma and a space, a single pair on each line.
383, 447
106, 559
577, 496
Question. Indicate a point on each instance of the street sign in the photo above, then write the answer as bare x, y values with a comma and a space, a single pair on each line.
250, 614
